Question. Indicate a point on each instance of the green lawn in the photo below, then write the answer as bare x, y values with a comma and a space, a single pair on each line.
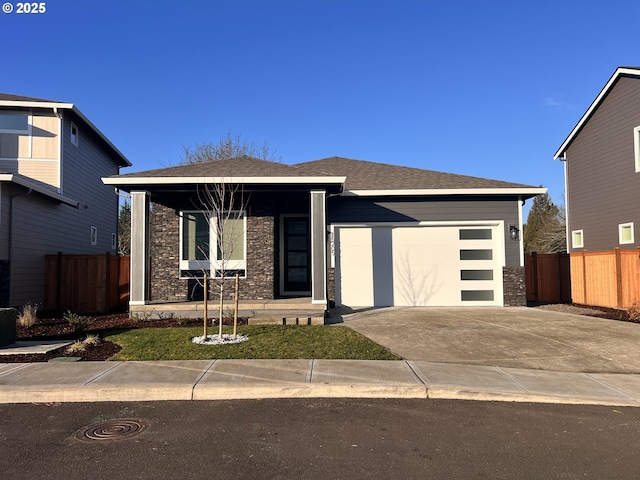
291, 341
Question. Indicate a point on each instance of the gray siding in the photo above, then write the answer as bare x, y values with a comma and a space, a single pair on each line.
370, 209
603, 188
42, 226
83, 167
4, 221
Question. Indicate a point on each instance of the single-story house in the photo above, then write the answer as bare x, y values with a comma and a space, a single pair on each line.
338, 231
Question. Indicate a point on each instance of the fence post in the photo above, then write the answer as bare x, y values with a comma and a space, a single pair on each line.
107, 290
584, 278
618, 277
534, 265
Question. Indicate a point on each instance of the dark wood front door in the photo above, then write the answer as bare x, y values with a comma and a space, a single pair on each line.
296, 255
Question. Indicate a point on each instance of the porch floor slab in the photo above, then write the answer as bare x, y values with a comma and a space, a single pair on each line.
281, 311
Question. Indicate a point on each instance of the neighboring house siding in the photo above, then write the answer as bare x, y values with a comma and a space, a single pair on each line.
603, 188
5, 273
429, 209
41, 227
83, 167
34, 156
5, 191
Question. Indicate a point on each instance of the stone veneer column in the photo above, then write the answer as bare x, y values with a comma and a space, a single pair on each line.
514, 287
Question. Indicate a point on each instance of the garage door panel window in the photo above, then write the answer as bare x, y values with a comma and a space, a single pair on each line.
477, 295
476, 254
475, 234
476, 274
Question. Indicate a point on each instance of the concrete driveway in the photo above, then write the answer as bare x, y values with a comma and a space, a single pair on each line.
517, 337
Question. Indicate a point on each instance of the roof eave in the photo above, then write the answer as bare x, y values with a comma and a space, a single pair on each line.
561, 152
23, 182
527, 192
124, 161
119, 181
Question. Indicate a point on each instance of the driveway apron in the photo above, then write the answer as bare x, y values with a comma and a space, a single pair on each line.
517, 337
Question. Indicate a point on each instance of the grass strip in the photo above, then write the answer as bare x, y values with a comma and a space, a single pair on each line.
265, 342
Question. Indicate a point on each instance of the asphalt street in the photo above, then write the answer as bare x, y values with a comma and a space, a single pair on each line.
318, 439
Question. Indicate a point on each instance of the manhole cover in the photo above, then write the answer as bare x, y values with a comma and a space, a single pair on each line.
110, 430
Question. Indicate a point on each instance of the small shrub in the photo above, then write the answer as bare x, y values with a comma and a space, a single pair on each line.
76, 347
229, 312
634, 312
28, 317
79, 323
91, 340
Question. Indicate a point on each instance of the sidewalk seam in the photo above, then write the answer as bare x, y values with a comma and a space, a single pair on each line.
101, 374
588, 375
204, 372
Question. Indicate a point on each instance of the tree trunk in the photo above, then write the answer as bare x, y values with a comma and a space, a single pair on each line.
204, 308
221, 309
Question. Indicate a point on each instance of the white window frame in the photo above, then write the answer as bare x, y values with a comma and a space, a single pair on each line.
212, 263
636, 147
74, 138
114, 241
230, 264
621, 228
575, 244
192, 264
94, 235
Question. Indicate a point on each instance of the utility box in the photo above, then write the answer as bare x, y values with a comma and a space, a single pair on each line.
7, 326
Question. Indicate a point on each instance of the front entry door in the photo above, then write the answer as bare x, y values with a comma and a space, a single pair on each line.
296, 256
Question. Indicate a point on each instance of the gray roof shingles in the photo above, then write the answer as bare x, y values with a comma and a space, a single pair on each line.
360, 174
7, 97
363, 175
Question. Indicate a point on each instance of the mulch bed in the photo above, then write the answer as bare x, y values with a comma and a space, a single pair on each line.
56, 328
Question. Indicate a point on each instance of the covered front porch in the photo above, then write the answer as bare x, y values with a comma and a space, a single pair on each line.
278, 237
281, 311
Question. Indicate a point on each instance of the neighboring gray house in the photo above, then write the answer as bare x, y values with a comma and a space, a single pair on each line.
602, 168
335, 230
51, 198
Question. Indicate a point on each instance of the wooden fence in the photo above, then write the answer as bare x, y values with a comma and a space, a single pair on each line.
548, 278
86, 283
607, 279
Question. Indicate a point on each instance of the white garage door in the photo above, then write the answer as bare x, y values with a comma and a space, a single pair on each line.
419, 265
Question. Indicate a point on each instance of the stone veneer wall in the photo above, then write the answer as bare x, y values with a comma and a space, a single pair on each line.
5, 284
514, 286
165, 257
331, 286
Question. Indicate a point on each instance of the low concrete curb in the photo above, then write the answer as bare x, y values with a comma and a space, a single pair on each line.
256, 379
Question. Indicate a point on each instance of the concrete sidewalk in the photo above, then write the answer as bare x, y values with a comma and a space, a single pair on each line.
255, 379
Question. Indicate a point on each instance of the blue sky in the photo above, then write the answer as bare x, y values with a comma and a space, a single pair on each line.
489, 89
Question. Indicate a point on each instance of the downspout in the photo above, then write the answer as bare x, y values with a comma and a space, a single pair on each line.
10, 243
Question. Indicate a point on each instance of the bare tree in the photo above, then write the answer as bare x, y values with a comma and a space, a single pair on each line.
224, 208
226, 148
124, 229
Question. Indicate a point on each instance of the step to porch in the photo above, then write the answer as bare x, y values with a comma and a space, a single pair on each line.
295, 311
